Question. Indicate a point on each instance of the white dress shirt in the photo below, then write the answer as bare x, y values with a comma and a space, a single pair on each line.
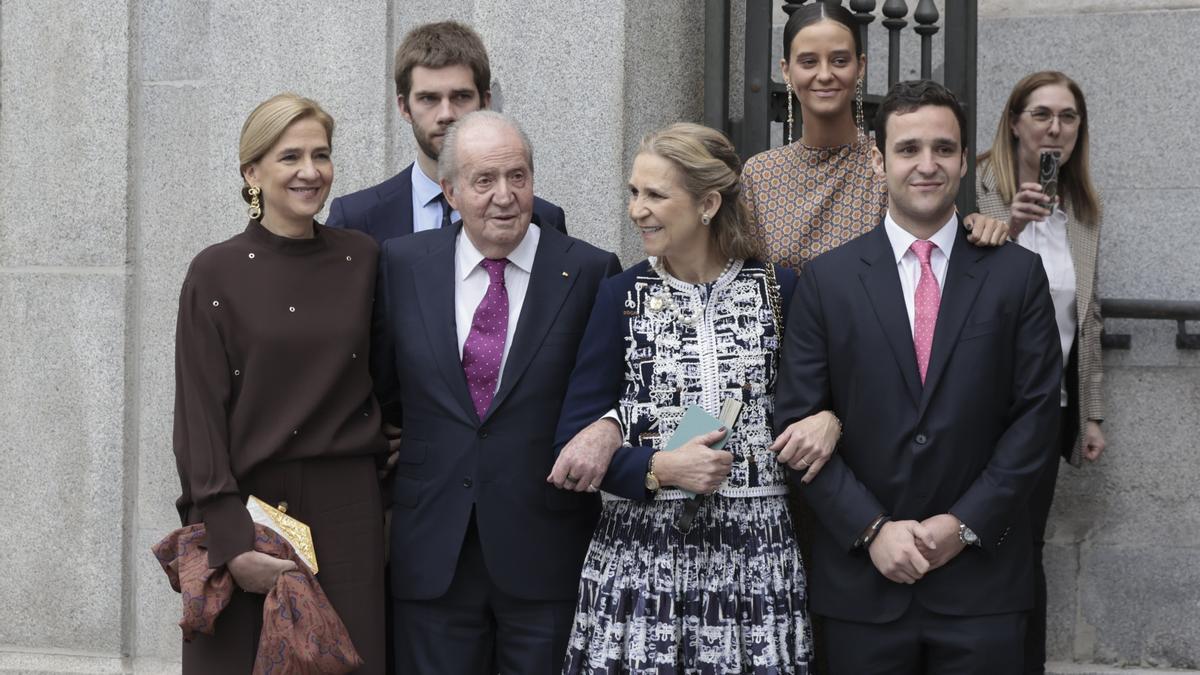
1048, 238
427, 210
471, 283
909, 265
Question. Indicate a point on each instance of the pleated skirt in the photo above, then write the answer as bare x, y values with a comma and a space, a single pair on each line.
727, 597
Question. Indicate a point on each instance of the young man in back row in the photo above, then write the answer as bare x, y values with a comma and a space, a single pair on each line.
441, 73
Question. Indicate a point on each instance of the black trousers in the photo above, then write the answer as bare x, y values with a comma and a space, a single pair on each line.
923, 642
476, 628
1039, 514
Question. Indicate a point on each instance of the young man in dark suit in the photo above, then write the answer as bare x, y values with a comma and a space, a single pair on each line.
475, 336
942, 361
441, 73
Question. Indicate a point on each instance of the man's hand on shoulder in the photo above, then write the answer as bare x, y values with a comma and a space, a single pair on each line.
895, 554
584, 459
943, 529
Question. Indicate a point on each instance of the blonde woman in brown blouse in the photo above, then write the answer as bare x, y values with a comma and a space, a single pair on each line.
820, 192
272, 392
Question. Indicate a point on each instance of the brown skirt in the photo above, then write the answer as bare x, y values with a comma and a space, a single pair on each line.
339, 499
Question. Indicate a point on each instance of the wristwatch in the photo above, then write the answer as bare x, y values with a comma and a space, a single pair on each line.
967, 536
652, 483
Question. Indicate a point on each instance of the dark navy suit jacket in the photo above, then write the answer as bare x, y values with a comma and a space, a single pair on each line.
971, 441
451, 462
385, 210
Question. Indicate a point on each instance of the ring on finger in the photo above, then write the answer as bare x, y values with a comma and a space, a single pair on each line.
572, 479
806, 464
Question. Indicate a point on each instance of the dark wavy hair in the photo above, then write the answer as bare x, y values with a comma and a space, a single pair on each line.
905, 97
437, 45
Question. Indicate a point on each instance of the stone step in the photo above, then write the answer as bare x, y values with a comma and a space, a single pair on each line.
1064, 668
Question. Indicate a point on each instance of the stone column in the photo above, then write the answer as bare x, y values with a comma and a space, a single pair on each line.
64, 460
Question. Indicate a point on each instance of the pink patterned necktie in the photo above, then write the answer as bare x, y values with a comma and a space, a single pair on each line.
927, 300
484, 347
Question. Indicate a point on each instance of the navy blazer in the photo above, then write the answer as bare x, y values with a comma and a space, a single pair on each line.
971, 441
451, 462
599, 376
385, 210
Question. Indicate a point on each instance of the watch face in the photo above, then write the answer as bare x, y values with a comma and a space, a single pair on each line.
651, 482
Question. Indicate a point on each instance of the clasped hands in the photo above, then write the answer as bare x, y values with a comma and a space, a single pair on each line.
904, 551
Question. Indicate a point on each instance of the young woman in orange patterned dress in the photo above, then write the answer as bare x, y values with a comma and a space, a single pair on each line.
819, 192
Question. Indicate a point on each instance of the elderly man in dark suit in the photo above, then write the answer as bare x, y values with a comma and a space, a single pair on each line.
441, 73
942, 360
476, 332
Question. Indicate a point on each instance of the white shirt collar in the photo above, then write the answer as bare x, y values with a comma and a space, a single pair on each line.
902, 240
522, 256
425, 189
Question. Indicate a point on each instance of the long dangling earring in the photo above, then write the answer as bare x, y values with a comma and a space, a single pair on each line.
790, 120
858, 114
255, 209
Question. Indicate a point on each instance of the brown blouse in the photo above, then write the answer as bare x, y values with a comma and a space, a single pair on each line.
270, 365
807, 200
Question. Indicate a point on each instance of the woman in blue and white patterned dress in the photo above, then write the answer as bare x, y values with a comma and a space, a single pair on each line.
699, 322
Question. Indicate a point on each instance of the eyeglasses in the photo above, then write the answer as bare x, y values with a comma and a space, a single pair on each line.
1067, 118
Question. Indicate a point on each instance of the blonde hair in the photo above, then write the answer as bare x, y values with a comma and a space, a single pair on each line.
1074, 177
709, 163
268, 122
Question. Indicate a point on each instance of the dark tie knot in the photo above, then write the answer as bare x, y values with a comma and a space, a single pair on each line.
446, 209
495, 269
923, 249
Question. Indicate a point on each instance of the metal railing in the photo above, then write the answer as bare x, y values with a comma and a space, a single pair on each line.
1180, 311
765, 100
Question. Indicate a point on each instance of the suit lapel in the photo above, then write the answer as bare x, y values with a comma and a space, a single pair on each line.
964, 278
433, 279
394, 214
550, 281
881, 281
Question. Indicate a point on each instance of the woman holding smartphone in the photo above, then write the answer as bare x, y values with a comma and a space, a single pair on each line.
1046, 114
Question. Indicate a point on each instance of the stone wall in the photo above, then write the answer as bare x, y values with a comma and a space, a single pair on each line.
118, 141
1123, 531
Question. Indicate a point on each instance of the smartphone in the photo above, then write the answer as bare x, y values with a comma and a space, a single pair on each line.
1048, 176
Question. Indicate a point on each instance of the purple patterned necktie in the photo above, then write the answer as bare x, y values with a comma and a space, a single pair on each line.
484, 347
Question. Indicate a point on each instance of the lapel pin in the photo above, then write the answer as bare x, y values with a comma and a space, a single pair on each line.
565, 274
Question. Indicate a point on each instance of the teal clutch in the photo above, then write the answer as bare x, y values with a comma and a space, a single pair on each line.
696, 422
